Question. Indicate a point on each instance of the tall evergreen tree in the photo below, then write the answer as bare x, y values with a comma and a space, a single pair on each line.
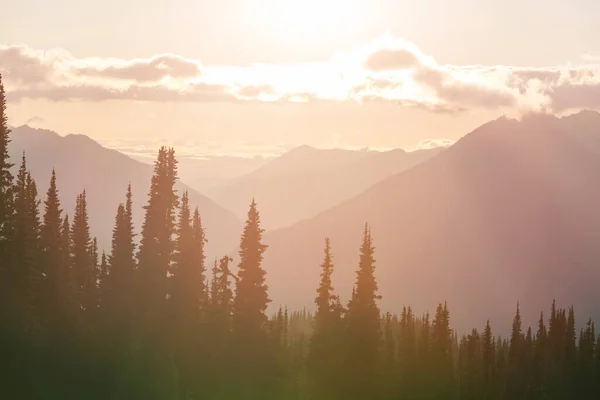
6, 184
255, 362
118, 289
25, 274
82, 264
363, 326
325, 354
155, 257
188, 297
488, 360
441, 352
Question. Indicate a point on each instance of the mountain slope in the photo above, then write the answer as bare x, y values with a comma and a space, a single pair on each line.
509, 213
306, 181
82, 163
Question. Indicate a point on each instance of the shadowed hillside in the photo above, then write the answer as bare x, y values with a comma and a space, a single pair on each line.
307, 180
509, 212
82, 163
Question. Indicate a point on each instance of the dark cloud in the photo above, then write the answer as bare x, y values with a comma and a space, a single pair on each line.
385, 59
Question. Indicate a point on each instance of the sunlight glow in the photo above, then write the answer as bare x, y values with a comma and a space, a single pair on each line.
311, 19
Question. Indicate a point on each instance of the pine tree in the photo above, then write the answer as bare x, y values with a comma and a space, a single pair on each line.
488, 360
363, 326
58, 294
441, 351
9, 314
324, 357
407, 352
25, 273
82, 264
585, 368
155, 258
6, 186
516, 372
249, 306
188, 295
118, 289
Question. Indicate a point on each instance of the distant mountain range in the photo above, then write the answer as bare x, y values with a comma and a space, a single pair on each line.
81, 163
511, 212
306, 180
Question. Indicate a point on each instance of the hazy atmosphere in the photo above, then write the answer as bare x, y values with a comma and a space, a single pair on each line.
307, 200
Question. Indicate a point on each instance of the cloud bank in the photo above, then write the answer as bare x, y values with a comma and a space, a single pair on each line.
386, 70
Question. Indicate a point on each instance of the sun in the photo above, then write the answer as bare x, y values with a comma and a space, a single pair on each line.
313, 18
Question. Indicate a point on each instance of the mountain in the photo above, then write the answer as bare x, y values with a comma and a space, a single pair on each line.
210, 174
306, 180
509, 213
82, 163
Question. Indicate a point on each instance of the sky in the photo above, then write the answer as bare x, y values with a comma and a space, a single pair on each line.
257, 76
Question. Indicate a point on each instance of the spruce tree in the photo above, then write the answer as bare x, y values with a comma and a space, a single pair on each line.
488, 360
363, 331
25, 274
255, 362
8, 312
82, 264
324, 357
188, 301
155, 259
6, 186
516, 373
441, 352
118, 290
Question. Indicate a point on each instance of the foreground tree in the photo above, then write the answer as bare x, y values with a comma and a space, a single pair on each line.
154, 262
363, 327
255, 362
188, 300
6, 184
325, 353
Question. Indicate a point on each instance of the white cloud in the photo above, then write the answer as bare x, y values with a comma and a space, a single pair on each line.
387, 69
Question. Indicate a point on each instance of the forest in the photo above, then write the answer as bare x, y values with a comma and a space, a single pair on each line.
152, 318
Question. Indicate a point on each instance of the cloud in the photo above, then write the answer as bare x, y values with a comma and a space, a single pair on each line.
385, 59
387, 70
432, 144
143, 70
199, 92
567, 96
35, 121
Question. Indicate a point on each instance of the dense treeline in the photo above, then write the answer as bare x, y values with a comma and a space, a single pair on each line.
147, 320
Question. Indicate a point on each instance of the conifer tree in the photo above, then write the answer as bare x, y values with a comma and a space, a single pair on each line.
441, 351
8, 312
488, 360
407, 352
188, 295
25, 274
6, 184
249, 319
324, 357
155, 258
516, 378
82, 263
585, 368
118, 289
363, 326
